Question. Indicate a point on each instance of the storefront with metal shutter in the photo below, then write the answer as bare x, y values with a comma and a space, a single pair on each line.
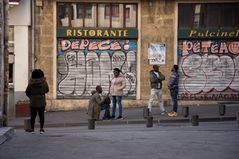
208, 50
92, 39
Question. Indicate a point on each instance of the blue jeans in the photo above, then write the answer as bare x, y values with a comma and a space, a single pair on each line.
174, 96
117, 99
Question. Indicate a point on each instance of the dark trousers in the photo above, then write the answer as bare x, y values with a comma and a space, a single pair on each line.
105, 106
40, 112
174, 96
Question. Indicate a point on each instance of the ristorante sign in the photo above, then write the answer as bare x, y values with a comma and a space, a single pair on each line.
97, 33
208, 33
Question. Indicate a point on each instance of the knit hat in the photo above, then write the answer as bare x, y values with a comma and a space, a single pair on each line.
37, 73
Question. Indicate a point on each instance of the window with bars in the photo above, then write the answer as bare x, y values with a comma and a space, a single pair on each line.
109, 15
88, 11
208, 15
114, 8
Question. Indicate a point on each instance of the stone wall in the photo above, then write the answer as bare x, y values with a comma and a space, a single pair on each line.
157, 25
45, 46
45, 36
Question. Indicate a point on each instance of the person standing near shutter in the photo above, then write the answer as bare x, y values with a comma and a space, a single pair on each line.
156, 78
118, 83
173, 88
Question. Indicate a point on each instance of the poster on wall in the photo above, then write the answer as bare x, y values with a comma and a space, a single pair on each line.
156, 53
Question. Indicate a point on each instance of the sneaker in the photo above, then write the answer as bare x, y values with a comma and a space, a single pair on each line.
119, 117
112, 117
31, 131
175, 114
42, 131
172, 114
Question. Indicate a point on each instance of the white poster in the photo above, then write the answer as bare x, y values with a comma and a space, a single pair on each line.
156, 53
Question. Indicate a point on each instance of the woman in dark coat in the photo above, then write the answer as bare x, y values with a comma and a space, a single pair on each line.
36, 90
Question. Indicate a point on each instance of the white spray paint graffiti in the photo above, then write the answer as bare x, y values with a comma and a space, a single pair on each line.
81, 68
209, 76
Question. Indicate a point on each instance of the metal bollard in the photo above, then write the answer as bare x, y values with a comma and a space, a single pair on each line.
185, 111
91, 123
145, 112
222, 109
237, 117
149, 121
195, 120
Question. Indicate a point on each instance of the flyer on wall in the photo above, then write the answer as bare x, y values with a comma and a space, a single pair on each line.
156, 53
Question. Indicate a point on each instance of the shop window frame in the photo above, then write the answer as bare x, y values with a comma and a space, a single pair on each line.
70, 13
205, 16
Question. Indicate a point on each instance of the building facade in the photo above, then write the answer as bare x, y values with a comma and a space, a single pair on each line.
20, 48
78, 43
208, 49
3, 63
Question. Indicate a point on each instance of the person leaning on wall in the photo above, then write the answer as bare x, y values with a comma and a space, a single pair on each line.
36, 90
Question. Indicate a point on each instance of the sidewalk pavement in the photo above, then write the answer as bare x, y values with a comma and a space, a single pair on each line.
206, 113
5, 134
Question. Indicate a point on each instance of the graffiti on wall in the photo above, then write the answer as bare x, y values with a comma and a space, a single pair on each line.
83, 64
209, 70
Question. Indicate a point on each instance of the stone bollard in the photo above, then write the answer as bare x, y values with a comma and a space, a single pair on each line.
185, 111
222, 109
237, 117
91, 123
1, 122
27, 125
195, 120
149, 121
145, 112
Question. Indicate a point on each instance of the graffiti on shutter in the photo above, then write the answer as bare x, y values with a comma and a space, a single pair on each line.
82, 64
209, 69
